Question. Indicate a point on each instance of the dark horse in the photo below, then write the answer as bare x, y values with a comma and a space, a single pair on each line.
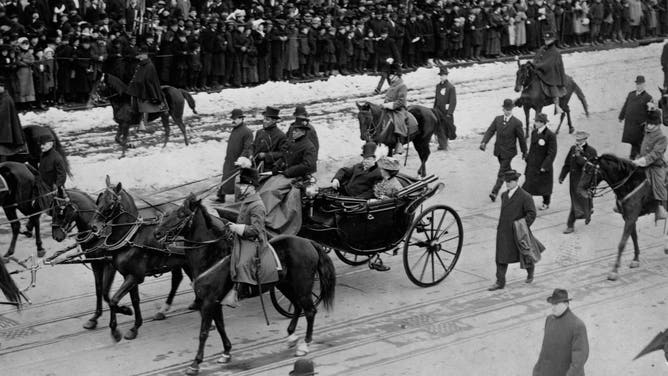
115, 90
533, 96
77, 210
210, 241
370, 129
633, 193
8, 287
129, 241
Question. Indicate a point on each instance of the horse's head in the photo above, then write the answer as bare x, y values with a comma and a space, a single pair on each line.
523, 76
109, 86
663, 105
365, 118
178, 222
112, 203
590, 178
63, 217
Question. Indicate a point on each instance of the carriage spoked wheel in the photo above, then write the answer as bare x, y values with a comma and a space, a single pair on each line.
351, 258
283, 305
432, 245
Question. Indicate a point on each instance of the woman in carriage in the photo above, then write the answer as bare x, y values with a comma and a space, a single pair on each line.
390, 185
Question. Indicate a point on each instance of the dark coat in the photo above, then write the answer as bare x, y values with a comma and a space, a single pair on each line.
312, 136
634, 114
507, 137
357, 182
565, 347
573, 165
52, 169
664, 58
519, 206
145, 83
300, 159
11, 133
549, 66
542, 152
446, 96
271, 141
240, 144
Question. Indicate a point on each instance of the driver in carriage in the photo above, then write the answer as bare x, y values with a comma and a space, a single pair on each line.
549, 67
359, 180
144, 88
394, 110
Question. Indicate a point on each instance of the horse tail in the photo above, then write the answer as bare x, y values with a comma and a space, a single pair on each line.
581, 97
189, 98
59, 148
8, 286
327, 275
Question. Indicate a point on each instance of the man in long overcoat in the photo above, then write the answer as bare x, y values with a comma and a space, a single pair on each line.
445, 103
240, 144
515, 204
539, 171
270, 142
653, 148
580, 153
634, 114
359, 179
145, 87
565, 346
11, 133
509, 132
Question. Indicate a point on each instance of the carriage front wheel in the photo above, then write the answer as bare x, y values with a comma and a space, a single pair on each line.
432, 245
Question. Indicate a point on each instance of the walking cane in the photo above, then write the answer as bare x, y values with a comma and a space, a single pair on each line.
408, 147
258, 262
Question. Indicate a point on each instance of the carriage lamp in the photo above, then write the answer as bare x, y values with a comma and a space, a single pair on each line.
311, 191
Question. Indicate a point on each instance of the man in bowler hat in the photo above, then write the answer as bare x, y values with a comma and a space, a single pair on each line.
539, 172
445, 102
240, 144
565, 346
634, 114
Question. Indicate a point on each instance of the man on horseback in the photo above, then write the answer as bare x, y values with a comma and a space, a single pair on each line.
651, 157
394, 110
147, 95
251, 245
11, 133
550, 69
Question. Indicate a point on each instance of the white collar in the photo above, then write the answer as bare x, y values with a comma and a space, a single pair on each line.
511, 192
541, 129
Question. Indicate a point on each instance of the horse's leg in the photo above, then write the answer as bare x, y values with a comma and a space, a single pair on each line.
165, 125
197, 303
38, 236
108, 275
98, 273
570, 123
126, 286
207, 314
225, 357
288, 292
628, 228
10, 213
183, 129
527, 109
177, 277
134, 296
306, 303
561, 120
636, 249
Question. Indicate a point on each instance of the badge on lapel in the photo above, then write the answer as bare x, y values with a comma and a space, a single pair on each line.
442, 91
541, 142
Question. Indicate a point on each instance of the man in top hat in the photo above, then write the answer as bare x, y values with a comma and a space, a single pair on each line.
270, 142
550, 69
145, 88
303, 367
651, 158
565, 346
359, 179
509, 132
299, 160
542, 151
515, 204
444, 106
301, 116
11, 132
240, 144
580, 153
634, 115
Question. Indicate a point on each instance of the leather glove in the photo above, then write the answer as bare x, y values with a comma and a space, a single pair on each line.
389, 106
237, 228
641, 162
543, 170
482, 146
335, 183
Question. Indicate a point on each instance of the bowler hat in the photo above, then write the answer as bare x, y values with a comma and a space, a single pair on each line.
300, 112
654, 117
508, 104
640, 79
443, 71
558, 296
389, 163
369, 149
303, 367
541, 117
44, 138
581, 135
249, 176
511, 175
236, 113
271, 112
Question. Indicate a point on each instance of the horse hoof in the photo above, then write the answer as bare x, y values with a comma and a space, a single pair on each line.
634, 264
116, 335
192, 370
224, 359
292, 340
124, 310
159, 316
90, 324
613, 276
131, 334
302, 349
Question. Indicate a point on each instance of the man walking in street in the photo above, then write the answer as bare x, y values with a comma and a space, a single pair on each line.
515, 204
565, 346
539, 172
238, 145
508, 130
580, 153
634, 114
444, 106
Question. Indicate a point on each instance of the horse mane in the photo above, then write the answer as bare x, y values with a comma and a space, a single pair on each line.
220, 252
59, 148
130, 201
116, 83
622, 164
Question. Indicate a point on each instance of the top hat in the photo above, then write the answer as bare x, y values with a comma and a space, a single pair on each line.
541, 117
443, 71
640, 79
249, 176
581, 135
271, 112
389, 163
654, 117
303, 367
369, 150
508, 104
511, 175
236, 113
558, 296
300, 112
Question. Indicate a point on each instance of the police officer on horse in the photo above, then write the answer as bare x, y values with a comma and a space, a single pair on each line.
144, 88
549, 67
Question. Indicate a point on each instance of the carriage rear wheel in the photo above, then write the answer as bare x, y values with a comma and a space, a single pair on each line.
351, 258
283, 304
432, 245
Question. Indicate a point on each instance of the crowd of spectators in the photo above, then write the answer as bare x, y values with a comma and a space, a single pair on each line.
52, 51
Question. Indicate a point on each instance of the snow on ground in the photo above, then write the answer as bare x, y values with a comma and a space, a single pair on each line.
604, 76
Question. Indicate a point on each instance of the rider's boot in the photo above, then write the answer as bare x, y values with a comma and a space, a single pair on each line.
231, 299
143, 123
660, 212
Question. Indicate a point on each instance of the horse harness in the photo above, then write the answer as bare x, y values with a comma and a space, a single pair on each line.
596, 192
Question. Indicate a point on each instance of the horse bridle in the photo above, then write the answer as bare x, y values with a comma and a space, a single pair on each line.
593, 186
172, 234
371, 127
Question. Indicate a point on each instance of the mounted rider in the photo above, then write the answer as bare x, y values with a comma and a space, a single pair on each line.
144, 88
52, 174
394, 110
549, 67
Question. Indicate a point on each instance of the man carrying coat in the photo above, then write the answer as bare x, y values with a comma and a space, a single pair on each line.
634, 114
543, 150
509, 132
580, 153
565, 346
515, 204
240, 144
445, 102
